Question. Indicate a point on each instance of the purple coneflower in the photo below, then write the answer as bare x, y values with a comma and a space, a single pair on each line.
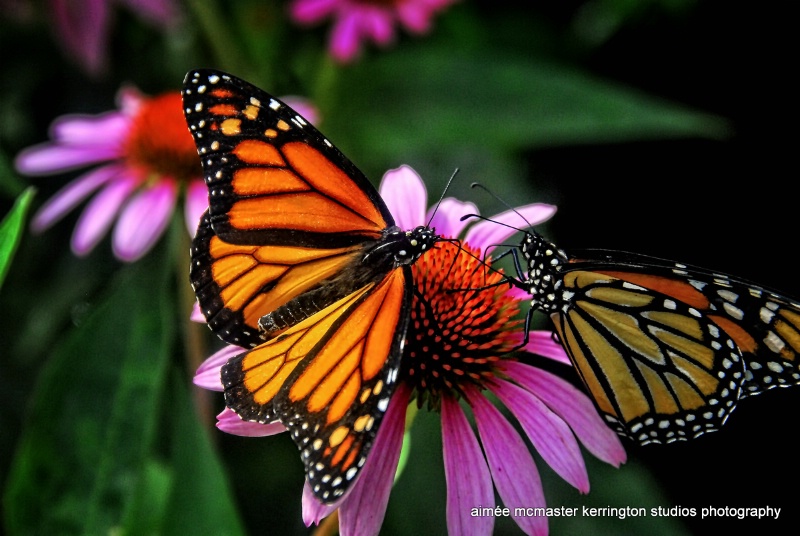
356, 21
451, 369
145, 158
84, 26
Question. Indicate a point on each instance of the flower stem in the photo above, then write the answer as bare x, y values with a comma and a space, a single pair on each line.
193, 334
329, 526
326, 85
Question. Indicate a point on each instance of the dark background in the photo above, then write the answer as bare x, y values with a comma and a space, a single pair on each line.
729, 205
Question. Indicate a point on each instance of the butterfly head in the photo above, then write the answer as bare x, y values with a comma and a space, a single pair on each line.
544, 261
408, 246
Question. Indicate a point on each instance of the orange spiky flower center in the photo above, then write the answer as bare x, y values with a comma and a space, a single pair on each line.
159, 142
462, 323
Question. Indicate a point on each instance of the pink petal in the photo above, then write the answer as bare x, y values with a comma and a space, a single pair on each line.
83, 28
469, 483
403, 191
574, 407
103, 130
315, 510
312, 11
489, 234
100, 213
447, 218
197, 315
161, 12
363, 510
46, 158
143, 220
304, 107
207, 375
196, 204
513, 470
71, 196
229, 422
549, 434
518, 293
345, 38
378, 24
130, 100
542, 343
414, 16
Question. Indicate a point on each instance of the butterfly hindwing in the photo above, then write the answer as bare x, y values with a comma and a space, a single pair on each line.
657, 369
238, 285
329, 379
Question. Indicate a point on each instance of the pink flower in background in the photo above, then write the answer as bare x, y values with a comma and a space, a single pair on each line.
84, 26
357, 21
144, 157
452, 368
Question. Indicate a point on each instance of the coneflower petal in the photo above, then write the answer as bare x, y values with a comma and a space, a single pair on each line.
513, 469
469, 483
549, 434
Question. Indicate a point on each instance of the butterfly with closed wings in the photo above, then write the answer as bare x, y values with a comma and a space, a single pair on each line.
665, 350
298, 260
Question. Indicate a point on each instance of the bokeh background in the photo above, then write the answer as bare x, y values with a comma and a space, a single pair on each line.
656, 126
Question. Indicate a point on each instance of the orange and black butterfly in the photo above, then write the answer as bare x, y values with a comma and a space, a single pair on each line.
298, 260
666, 350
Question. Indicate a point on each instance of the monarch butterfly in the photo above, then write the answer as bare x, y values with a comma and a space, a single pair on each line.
298, 259
666, 350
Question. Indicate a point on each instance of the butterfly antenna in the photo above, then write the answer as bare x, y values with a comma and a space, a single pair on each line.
484, 218
502, 202
511, 247
482, 262
441, 197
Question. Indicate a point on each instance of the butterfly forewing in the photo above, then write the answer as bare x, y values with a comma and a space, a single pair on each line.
237, 285
765, 326
300, 210
259, 153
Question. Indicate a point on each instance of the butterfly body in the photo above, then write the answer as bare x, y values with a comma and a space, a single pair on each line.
666, 350
394, 249
298, 261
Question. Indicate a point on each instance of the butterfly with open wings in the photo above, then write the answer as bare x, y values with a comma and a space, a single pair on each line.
298, 260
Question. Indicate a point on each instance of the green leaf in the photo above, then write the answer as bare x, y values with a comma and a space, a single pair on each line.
200, 501
113, 442
82, 457
432, 100
11, 229
148, 505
